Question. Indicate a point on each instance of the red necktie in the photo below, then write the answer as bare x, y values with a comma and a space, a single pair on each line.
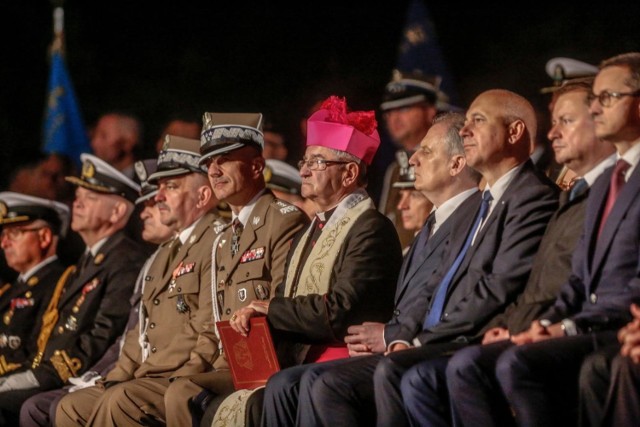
616, 184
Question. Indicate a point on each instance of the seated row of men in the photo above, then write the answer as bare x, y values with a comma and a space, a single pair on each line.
456, 333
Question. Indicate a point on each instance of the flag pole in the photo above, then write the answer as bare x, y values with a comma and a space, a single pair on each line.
64, 132
58, 26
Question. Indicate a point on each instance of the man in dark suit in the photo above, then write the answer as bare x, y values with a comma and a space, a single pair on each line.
31, 228
482, 276
540, 375
442, 176
470, 370
86, 313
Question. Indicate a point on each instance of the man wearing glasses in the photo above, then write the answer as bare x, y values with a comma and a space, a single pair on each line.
31, 227
540, 376
90, 303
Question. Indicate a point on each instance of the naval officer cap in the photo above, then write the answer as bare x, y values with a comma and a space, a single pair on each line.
99, 176
561, 69
224, 132
17, 208
281, 176
179, 156
406, 89
143, 169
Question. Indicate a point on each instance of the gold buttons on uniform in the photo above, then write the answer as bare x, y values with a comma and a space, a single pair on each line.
60, 329
156, 301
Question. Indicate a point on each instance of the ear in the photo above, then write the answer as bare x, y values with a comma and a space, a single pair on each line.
118, 212
457, 164
350, 175
46, 237
257, 166
204, 196
516, 131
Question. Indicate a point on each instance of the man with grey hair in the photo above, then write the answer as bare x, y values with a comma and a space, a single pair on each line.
442, 176
86, 313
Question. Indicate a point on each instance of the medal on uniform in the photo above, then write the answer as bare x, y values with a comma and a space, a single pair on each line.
181, 305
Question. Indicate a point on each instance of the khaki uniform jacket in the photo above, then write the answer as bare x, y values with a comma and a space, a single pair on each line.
176, 305
93, 311
259, 264
21, 307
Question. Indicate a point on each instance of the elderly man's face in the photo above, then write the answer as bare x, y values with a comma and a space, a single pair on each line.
324, 187
22, 245
153, 230
176, 199
91, 210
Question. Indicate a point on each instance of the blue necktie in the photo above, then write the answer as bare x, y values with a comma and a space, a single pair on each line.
438, 300
423, 237
578, 188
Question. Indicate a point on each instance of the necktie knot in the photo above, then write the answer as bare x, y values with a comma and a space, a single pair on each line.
621, 167
615, 186
486, 196
578, 188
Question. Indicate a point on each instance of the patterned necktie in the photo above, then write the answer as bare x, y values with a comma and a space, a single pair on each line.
423, 237
615, 185
438, 300
578, 188
236, 227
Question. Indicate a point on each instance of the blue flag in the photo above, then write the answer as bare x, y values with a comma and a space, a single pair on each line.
64, 131
419, 48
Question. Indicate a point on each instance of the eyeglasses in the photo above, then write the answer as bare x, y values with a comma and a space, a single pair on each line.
605, 98
319, 164
16, 233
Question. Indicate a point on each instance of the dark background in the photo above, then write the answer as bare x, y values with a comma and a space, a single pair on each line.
154, 59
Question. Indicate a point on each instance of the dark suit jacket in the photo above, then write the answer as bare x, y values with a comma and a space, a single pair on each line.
604, 279
93, 311
414, 289
363, 284
21, 324
497, 266
551, 266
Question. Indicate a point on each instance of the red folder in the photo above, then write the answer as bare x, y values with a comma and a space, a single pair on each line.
252, 359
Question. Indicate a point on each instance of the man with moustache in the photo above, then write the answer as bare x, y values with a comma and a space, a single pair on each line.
175, 305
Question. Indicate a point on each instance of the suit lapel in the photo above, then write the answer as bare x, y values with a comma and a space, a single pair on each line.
94, 267
433, 242
627, 196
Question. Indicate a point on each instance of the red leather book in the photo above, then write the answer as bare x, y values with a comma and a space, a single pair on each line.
252, 359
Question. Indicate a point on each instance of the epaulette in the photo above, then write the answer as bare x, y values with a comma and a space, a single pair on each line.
284, 207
